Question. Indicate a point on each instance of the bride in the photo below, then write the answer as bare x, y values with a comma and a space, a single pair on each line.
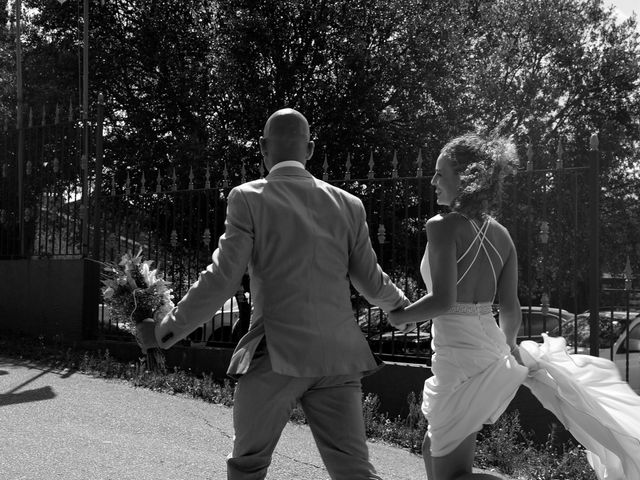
477, 367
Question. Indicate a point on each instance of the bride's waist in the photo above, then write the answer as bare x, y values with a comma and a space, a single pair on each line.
470, 308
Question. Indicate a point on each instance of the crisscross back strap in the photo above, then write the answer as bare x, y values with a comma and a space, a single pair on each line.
481, 237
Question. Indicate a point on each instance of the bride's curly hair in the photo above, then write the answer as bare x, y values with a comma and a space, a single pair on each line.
482, 163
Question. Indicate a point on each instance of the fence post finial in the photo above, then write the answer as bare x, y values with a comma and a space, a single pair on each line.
70, 110
56, 120
529, 157
243, 173
419, 164
225, 176
30, 117
394, 163
174, 178
143, 181
371, 173
127, 185
207, 177
206, 237
628, 275
560, 152
158, 182
594, 142
347, 167
325, 166
191, 178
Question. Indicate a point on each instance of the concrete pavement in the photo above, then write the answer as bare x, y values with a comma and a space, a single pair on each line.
68, 425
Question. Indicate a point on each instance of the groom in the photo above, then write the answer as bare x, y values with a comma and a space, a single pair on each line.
303, 241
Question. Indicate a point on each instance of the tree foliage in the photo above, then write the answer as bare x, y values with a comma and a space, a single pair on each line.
190, 83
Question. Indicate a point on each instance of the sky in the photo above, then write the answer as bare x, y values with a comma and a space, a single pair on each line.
625, 7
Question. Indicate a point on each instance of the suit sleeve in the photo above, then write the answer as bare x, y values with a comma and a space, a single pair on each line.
365, 273
219, 281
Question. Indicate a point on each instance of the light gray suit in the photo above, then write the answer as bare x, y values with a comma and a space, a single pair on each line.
303, 240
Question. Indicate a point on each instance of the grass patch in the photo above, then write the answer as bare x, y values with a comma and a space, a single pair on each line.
502, 447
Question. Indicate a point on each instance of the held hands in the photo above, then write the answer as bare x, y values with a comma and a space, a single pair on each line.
146, 334
406, 327
398, 319
515, 351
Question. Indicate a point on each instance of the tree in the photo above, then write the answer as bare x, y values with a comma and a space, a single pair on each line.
190, 83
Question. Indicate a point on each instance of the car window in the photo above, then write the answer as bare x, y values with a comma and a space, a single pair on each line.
535, 322
634, 341
609, 331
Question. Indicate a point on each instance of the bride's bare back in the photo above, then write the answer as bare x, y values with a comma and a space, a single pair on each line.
476, 269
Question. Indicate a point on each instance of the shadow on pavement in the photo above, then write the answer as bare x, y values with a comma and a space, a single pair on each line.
4, 372
35, 395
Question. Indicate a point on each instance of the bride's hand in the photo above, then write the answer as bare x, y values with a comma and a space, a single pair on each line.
406, 327
395, 318
515, 351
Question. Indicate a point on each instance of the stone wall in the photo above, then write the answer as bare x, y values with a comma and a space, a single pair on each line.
50, 297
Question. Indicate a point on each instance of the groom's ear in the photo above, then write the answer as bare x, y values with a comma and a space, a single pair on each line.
263, 146
310, 148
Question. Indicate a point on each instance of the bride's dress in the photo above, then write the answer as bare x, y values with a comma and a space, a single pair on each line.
475, 377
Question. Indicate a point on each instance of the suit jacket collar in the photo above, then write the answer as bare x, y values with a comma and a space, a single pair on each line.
289, 172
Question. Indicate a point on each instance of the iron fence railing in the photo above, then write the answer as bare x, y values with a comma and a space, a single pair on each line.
73, 207
44, 213
178, 228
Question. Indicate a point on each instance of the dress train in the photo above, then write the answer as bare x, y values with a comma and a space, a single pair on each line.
591, 400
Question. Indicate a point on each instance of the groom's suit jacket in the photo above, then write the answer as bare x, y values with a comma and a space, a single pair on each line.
303, 241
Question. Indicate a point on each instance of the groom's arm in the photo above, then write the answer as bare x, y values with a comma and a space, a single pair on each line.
365, 273
219, 281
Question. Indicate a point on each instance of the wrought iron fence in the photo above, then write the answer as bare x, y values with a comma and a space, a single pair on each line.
43, 210
73, 208
177, 224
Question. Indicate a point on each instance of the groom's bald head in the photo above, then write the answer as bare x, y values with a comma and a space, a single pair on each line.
286, 137
287, 124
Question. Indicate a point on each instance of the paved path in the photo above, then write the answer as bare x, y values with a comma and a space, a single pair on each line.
66, 425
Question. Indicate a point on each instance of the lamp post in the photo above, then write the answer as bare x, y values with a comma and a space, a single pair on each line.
19, 114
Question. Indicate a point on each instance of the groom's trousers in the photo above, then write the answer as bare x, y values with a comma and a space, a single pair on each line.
263, 403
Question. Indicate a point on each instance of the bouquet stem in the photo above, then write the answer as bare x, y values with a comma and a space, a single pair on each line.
154, 360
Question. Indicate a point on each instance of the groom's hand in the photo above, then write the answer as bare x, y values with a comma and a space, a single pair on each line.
146, 334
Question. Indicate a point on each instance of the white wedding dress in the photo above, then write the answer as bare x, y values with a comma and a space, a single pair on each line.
475, 377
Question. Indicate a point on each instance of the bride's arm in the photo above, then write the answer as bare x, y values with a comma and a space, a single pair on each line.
442, 260
510, 313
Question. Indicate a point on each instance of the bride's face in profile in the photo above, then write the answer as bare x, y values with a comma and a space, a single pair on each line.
445, 180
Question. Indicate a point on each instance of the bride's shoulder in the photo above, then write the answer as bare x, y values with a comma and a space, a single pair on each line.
497, 225
451, 218
447, 222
